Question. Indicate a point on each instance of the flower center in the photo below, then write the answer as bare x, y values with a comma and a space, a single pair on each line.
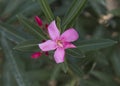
59, 43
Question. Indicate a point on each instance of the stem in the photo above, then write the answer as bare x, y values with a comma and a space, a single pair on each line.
55, 72
74, 78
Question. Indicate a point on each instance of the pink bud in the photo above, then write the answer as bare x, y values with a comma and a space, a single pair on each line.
47, 53
46, 26
43, 40
36, 55
38, 20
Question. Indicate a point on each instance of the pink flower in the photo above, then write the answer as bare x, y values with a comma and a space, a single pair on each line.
59, 42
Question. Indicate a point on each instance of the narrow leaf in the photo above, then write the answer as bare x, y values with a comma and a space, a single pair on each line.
36, 75
64, 67
102, 76
73, 12
56, 72
29, 45
47, 10
6, 75
115, 61
12, 63
74, 67
32, 27
11, 30
58, 21
89, 45
95, 44
75, 52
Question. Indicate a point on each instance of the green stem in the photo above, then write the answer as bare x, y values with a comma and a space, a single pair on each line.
55, 72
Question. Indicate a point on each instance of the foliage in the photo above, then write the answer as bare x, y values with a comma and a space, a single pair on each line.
95, 61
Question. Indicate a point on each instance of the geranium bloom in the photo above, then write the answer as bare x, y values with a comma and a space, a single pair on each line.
59, 42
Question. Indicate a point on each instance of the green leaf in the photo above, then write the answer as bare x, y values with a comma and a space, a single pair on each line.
91, 82
64, 67
99, 32
47, 10
32, 27
11, 7
73, 12
89, 45
27, 8
95, 44
21, 81
115, 60
58, 22
6, 75
98, 7
102, 76
55, 72
36, 75
75, 52
12, 31
74, 67
29, 45
8, 79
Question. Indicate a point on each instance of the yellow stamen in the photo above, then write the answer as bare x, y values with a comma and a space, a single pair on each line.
59, 42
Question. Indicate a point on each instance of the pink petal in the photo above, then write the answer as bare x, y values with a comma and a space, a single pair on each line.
36, 55
38, 20
53, 31
70, 45
70, 35
48, 45
59, 55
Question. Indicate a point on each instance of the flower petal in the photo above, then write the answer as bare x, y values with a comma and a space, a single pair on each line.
70, 35
53, 31
38, 20
59, 55
48, 45
70, 45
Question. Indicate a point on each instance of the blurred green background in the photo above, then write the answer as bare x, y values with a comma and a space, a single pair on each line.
97, 63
